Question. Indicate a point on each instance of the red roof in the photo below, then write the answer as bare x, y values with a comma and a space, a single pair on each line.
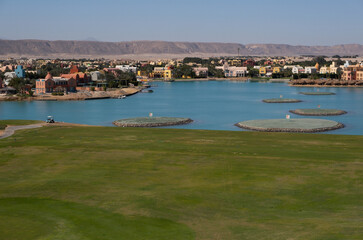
49, 76
74, 75
74, 69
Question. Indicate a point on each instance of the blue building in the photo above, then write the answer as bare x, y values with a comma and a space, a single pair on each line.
20, 72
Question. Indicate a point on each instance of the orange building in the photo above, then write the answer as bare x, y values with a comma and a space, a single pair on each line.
55, 84
81, 78
353, 72
249, 62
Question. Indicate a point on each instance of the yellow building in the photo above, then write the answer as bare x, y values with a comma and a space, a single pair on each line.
235, 62
167, 74
262, 71
162, 72
276, 70
317, 66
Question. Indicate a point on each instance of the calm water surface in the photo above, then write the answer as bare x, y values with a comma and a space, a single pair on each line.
215, 105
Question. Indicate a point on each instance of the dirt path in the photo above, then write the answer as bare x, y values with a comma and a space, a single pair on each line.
10, 130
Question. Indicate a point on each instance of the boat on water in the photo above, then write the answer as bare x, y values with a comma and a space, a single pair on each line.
147, 91
121, 97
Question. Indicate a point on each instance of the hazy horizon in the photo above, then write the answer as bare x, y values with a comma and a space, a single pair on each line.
95, 40
311, 23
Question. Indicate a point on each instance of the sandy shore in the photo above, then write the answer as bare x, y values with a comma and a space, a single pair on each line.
81, 95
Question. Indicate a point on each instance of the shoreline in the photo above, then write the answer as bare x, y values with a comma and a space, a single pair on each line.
202, 79
317, 85
78, 96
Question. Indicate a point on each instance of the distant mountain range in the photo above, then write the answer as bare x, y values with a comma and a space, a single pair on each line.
93, 49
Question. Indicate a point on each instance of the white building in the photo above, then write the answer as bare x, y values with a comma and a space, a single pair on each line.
96, 76
333, 68
233, 71
310, 70
8, 76
126, 68
201, 71
297, 70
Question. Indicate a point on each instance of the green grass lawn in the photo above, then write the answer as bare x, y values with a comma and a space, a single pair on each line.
123, 183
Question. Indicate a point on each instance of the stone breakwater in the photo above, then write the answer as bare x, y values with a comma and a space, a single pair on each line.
159, 122
318, 113
293, 125
296, 130
326, 82
317, 93
281, 100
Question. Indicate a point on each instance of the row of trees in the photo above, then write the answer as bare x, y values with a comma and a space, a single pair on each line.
316, 76
20, 85
187, 71
119, 78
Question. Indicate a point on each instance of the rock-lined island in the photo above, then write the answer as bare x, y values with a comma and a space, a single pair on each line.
152, 121
305, 125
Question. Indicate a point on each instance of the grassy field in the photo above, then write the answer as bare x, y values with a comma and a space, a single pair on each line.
122, 183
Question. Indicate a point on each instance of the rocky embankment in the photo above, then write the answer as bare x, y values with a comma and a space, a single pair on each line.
81, 95
326, 82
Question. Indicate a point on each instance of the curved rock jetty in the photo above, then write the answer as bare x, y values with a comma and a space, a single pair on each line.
317, 93
281, 100
151, 121
318, 112
302, 125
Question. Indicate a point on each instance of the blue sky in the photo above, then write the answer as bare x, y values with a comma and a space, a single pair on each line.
307, 22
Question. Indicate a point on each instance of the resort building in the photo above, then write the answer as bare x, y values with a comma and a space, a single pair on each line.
333, 68
317, 66
249, 63
8, 76
276, 70
96, 76
161, 72
297, 70
7, 67
81, 78
20, 72
268, 62
264, 70
126, 68
235, 62
233, 71
353, 72
310, 70
201, 71
55, 84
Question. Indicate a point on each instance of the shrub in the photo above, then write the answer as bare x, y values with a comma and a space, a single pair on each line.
57, 93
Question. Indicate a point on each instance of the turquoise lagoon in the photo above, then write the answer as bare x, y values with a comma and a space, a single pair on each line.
214, 105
